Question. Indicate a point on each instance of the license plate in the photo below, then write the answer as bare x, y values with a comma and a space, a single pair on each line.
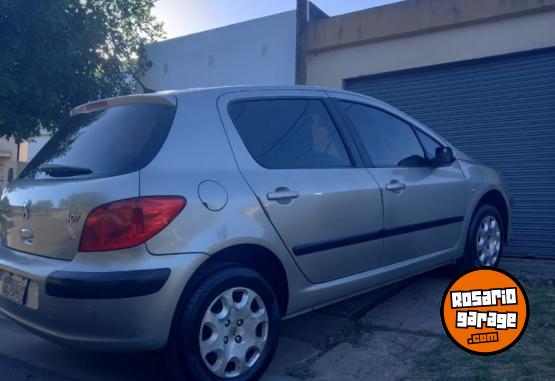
13, 287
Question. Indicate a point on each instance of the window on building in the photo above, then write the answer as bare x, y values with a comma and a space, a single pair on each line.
289, 133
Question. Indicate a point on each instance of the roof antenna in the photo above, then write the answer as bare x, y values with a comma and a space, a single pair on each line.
146, 90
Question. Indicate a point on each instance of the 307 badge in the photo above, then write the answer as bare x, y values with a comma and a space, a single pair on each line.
72, 219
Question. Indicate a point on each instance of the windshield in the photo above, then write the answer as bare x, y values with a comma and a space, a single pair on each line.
109, 142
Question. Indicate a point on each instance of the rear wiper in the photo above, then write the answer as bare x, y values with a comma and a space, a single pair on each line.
57, 170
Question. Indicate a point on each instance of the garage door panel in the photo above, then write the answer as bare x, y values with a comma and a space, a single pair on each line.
499, 110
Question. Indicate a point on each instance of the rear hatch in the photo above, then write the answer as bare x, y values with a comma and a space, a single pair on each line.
94, 159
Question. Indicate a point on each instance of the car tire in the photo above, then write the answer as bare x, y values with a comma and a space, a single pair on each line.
227, 329
484, 243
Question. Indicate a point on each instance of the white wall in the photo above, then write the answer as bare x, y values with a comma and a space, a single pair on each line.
260, 51
330, 68
35, 145
8, 159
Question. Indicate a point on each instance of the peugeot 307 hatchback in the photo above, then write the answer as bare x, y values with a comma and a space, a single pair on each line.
194, 221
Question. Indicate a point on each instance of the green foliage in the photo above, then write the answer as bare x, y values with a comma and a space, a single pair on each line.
57, 54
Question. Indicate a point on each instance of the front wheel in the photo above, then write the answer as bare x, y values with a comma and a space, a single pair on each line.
484, 244
228, 329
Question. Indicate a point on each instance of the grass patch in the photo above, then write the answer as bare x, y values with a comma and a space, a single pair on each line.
532, 358
352, 334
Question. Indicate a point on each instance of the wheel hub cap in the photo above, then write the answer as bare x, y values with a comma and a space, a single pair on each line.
488, 241
233, 332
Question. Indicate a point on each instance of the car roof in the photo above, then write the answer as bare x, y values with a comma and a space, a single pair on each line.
167, 96
250, 87
233, 88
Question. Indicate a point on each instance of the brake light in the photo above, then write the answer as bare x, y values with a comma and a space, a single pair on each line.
128, 223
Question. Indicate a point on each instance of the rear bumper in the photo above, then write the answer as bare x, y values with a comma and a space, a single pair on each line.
116, 301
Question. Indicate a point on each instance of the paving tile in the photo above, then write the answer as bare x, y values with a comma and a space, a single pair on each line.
314, 327
416, 308
382, 355
277, 377
529, 268
290, 352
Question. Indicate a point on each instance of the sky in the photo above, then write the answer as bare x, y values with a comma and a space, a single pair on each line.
182, 17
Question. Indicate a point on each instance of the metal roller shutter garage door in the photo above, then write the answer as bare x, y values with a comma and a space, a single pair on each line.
499, 110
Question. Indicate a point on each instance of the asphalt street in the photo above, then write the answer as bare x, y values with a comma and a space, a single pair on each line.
24, 357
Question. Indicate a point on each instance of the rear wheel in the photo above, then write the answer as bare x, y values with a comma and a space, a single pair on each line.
228, 329
484, 244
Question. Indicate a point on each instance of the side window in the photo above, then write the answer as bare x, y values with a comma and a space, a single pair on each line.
390, 142
428, 143
289, 133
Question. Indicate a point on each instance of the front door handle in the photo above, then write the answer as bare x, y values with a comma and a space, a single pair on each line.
282, 195
395, 185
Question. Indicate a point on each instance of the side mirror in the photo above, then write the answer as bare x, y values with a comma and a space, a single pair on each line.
444, 156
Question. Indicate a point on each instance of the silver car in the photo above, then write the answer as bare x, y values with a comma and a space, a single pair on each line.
194, 221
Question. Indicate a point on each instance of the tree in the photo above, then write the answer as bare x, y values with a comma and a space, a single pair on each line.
57, 54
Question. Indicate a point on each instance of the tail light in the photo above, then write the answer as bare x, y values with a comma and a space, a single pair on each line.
128, 223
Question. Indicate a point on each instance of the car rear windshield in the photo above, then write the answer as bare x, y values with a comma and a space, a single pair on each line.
110, 142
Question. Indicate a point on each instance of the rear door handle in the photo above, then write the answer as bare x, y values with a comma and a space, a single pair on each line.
395, 185
282, 195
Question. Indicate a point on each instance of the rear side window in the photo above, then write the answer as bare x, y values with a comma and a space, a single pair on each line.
109, 142
289, 133
390, 141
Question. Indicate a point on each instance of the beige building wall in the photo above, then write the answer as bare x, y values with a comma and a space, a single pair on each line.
335, 56
10, 164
